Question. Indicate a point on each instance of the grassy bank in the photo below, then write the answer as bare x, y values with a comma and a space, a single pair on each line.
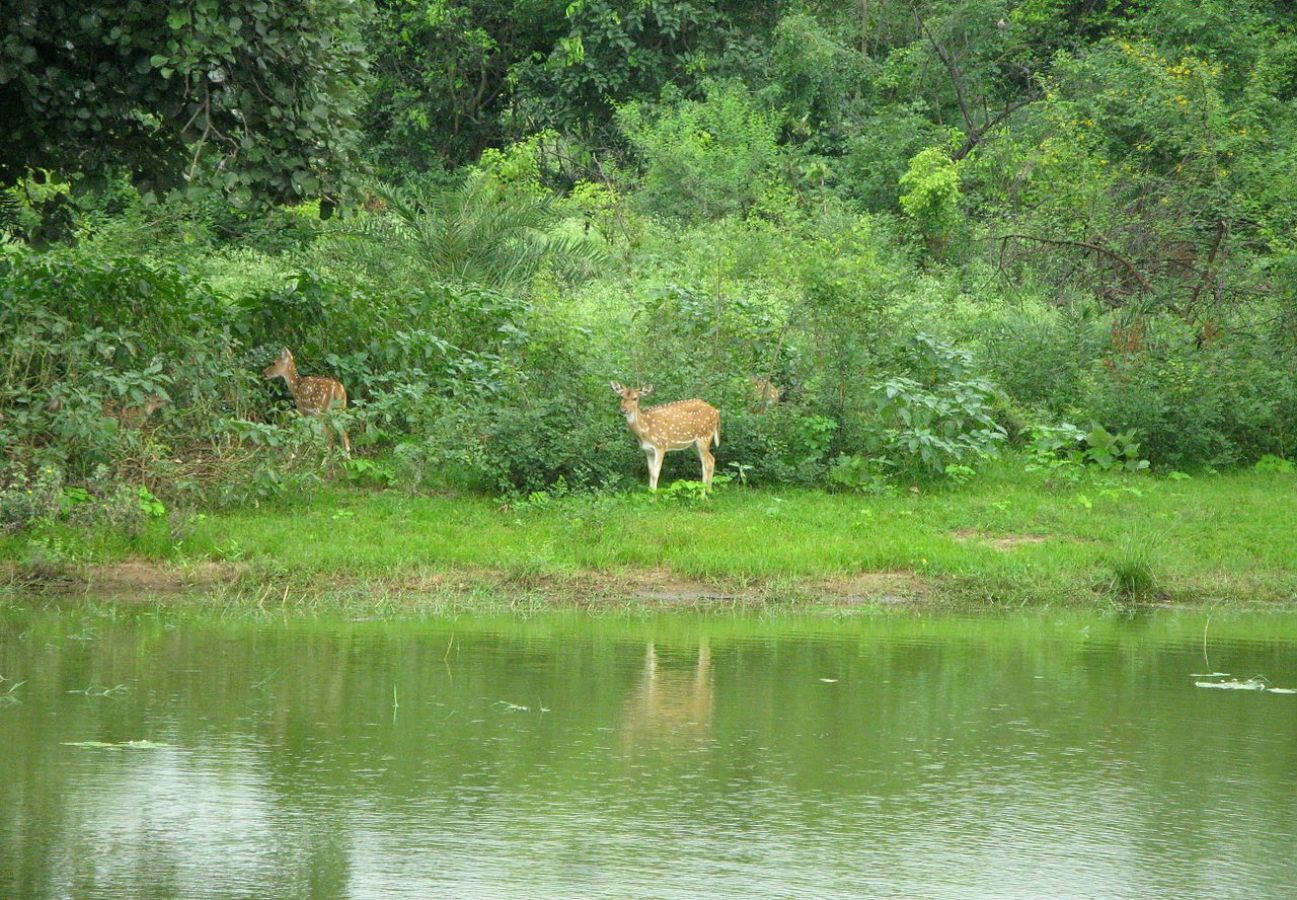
1006, 538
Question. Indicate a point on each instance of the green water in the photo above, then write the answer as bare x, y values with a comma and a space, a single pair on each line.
571, 756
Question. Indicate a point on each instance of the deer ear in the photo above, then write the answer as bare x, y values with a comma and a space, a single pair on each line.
616, 387
647, 389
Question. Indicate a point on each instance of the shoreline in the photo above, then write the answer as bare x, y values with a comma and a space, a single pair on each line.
237, 585
1006, 541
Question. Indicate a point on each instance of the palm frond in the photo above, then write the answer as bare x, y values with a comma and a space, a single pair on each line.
479, 232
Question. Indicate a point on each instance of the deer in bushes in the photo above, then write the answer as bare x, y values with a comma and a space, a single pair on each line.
763, 394
671, 426
314, 394
132, 417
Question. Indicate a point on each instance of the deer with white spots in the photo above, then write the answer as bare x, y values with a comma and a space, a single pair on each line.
314, 395
671, 426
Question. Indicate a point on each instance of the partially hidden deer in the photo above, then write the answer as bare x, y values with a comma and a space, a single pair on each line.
314, 394
763, 393
132, 417
671, 426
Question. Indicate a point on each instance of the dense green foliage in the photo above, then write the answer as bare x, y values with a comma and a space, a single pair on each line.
937, 229
255, 99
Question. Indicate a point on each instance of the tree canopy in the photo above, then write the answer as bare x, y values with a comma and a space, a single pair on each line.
256, 98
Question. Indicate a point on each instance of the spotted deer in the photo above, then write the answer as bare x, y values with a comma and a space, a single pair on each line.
763, 393
671, 426
314, 395
132, 417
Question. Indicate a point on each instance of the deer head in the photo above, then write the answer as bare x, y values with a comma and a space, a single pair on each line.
630, 398
282, 367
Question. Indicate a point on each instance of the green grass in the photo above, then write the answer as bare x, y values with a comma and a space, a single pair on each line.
1006, 537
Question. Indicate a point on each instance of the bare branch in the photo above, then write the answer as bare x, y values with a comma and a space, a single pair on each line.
976, 135
955, 78
1126, 264
1222, 228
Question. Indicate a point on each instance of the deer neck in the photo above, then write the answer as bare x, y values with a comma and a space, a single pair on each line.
291, 377
635, 421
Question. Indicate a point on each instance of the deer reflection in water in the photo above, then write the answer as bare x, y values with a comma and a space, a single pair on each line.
670, 706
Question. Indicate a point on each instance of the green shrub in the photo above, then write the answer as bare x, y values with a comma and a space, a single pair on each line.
931, 197
702, 159
1272, 463
1215, 405
937, 415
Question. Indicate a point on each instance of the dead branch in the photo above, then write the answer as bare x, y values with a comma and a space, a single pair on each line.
1126, 264
1222, 228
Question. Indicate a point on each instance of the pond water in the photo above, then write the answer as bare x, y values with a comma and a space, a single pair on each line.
898, 755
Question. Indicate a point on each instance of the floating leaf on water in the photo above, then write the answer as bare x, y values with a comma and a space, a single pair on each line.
1250, 685
123, 745
829, 680
91, 691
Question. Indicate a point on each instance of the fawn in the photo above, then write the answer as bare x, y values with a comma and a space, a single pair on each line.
671, 426
314, 395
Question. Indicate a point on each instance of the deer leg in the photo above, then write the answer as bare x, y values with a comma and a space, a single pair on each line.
655, 467
706, 458
328, 435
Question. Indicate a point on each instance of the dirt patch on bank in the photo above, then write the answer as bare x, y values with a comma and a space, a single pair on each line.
140, 580
1000, 541
893, 588
131, 579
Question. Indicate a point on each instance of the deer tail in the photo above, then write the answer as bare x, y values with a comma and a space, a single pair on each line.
716, 435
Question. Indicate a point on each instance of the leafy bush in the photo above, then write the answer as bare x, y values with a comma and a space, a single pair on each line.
936, 416
1272, 463
88, 342
1217, 405
865, 475
29, 498
931, 197
702, 159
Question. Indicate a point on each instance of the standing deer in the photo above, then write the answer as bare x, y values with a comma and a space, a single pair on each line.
671, 426
314, 395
